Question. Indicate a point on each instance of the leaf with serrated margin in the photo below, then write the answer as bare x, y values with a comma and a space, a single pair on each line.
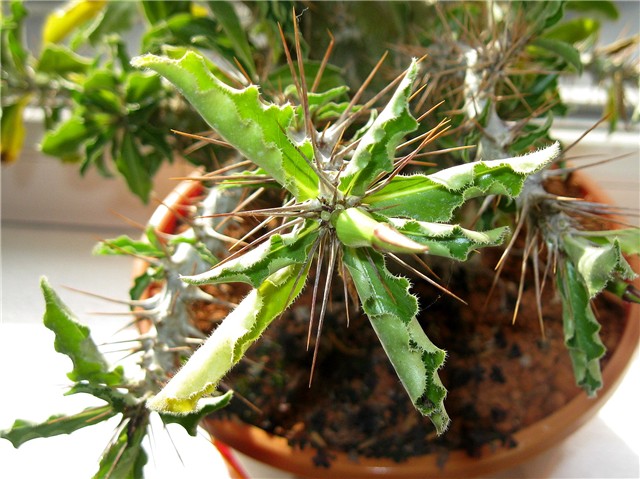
255, 265
434, 197
392, 312
253, 127
376, 151
581, 329
597, 264
450, 241
229, 341
206, 406
74, 340
22, 431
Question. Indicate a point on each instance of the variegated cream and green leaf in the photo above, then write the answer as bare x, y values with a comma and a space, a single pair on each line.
586, 267
350, 204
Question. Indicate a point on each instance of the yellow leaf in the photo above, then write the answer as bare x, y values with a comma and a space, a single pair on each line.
12, 130
66, 19
199, 10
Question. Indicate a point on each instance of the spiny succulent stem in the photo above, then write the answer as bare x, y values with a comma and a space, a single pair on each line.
317, 169
343, 152
427, 135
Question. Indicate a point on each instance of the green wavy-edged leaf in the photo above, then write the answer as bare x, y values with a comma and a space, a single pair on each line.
253, 127
433, 198
22, 431
597, 264
376, 151
228, 343
581, 329
255, 265
392, 312
450, 241
74, 340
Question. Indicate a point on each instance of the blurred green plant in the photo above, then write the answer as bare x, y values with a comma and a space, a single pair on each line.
100, 113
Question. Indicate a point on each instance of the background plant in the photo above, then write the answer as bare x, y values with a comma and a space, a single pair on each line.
99, 112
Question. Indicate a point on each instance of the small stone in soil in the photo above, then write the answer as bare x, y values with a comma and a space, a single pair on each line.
514, 352
497, 375
500, 340
498, 414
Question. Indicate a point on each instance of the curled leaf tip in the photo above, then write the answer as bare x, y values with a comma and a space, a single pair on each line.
387, 238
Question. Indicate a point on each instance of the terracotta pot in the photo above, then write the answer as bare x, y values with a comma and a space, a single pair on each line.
531, 441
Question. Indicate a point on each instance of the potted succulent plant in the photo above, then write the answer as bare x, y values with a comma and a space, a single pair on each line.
327, 211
